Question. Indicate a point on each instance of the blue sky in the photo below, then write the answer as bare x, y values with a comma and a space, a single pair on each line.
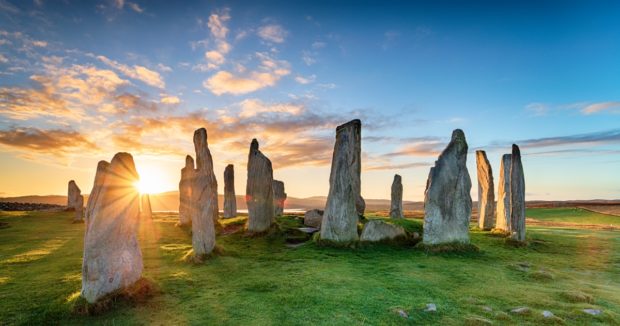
82, 80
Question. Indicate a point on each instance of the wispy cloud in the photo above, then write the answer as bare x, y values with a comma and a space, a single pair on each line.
149, 77
585, 108
611, 107
267, 74
272, 33
55, 142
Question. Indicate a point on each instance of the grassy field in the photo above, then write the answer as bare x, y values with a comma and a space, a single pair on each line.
572, 215
260, 281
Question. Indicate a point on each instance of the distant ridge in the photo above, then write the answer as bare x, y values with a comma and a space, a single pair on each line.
169, 201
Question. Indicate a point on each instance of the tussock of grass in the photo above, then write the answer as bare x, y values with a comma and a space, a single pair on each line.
477, 321
577, 296
138, 293
190, 257
542, 275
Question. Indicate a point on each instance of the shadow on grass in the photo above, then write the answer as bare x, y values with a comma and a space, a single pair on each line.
138, 293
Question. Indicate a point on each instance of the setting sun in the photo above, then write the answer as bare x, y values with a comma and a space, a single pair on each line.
152, 180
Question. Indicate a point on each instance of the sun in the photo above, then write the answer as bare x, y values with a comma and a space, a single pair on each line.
152, 180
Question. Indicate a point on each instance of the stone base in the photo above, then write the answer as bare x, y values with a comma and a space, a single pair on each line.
139, 292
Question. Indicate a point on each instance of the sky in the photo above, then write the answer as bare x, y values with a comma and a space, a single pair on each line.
82, 80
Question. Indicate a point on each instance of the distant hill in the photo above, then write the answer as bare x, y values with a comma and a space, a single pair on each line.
169, 201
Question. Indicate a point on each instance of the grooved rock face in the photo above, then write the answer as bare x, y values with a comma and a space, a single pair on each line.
376, 230
447, 199
343, 201
503, 194
486, 192
102, 168
313, 218
112, 258
185, 191
259, 190
230, 200
517, 196
204, 205
396, 203
75, 200
279, 197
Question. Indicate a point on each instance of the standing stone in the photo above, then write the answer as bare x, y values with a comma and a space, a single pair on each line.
503, 194
112, 258
259, 190
279, 197
102, 168
185, 192
447, 199
396, 205
486, 192
204, 198
145, 206
230, 199
343, 201
517, 196
75, 200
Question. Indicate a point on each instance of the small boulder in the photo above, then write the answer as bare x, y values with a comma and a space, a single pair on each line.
521, 311
313, 218
593, 312
431, 307
377, 230
547, 314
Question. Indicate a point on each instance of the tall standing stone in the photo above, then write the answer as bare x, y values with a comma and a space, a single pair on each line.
517, 196
102, 168
112, 258
486, 192
75, 200
145, 206
279, 197
204, 198
185, 192
503, 194
343, 201
259, 190
396, 204
447, 199
230, 199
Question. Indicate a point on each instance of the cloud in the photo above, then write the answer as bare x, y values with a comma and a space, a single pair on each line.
267, 75
3, 59
63, 94
594, 138
135, 7
403, 166
216, 23
163, 67
422, 146
214, 57
305, 80
55, 142
252, 107
308, 57
612, 107
167, 99
537, 109
141, 73
272, 33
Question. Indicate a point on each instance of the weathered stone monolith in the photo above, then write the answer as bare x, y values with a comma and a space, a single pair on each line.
112, 258
259, 190
447, 199
230, 199
145, 206
75, 201
396, 204
102, 168
204, 204
279, 197
517, 196
185, 192
486, 192
344, 202
503, 195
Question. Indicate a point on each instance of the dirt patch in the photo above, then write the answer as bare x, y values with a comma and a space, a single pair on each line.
531, 221
613, 210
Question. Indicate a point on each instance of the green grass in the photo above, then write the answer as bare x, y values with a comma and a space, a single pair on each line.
261, 281
572, 215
